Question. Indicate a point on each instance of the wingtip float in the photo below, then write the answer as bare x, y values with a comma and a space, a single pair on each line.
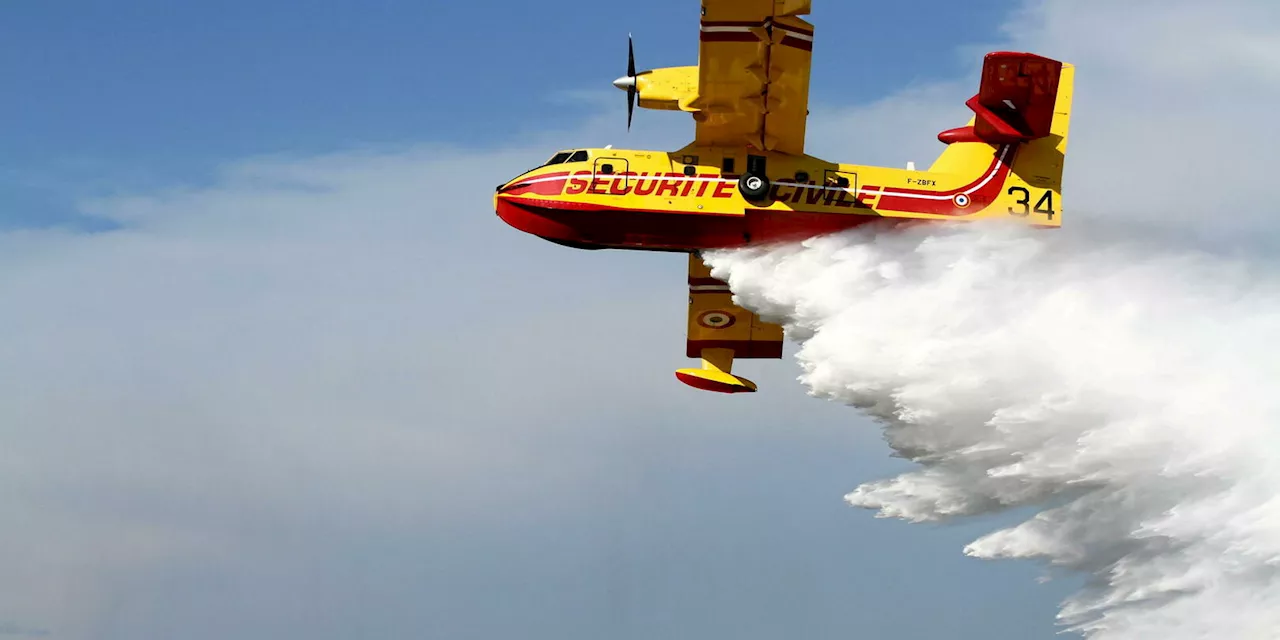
716, 374
745, 179
715, 381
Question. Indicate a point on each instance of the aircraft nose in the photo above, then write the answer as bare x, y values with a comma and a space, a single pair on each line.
625, 82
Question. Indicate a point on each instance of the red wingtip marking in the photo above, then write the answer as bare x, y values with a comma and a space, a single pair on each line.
710, 385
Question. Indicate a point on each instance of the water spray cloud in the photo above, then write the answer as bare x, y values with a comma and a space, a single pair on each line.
1125, 390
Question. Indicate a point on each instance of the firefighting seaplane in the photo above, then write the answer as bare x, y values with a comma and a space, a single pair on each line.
746, 180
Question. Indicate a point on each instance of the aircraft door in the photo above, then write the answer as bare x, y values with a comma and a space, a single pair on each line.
612, 176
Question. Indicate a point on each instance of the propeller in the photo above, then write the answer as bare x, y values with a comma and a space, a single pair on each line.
631, 73
628, 82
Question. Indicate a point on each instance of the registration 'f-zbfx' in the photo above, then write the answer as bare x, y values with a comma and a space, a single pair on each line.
746, 180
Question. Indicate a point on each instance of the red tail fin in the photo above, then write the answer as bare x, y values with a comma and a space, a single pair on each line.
1016, 100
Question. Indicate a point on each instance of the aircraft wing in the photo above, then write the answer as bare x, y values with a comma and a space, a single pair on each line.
720, 332
753, 74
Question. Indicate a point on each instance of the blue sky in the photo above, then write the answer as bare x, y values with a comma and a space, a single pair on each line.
308, 386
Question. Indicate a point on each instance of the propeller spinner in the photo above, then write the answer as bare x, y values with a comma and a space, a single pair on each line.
628, 82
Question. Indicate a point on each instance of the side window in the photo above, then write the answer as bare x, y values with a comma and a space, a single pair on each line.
578, 156
728, 165
558, 158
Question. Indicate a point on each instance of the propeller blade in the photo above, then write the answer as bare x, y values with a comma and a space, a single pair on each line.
631, 105
631, 57
631, 73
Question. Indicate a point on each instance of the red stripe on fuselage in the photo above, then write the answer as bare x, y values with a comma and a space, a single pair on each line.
551, 184
980, 195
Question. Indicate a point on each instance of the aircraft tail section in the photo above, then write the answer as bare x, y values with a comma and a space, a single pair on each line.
1022, 114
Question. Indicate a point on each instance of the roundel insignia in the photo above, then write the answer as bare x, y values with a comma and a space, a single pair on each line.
962, 200
716, 320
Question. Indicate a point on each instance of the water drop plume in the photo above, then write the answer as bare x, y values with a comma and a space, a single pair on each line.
1127, 391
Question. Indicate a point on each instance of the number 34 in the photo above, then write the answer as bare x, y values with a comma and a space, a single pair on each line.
1044, 205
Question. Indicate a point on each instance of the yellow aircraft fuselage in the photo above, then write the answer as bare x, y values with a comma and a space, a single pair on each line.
692, 199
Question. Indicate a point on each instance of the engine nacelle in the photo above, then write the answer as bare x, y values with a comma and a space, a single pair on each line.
670, 89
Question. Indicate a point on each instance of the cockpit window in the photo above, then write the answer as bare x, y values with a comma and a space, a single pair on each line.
579, 156
558, 158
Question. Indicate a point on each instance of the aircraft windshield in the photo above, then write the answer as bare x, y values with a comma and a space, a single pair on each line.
558, 158
567, 156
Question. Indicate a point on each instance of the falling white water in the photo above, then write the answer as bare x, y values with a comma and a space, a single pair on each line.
1129, 392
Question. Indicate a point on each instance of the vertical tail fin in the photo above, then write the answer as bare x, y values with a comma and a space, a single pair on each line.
1025, 101
1034, 187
